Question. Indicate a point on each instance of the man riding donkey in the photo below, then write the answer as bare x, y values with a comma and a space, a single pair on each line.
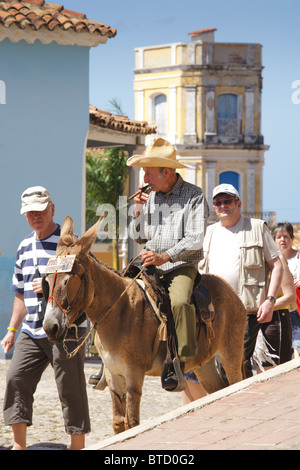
171, 222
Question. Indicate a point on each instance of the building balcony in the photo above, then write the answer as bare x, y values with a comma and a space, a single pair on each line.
229, 127
269, 217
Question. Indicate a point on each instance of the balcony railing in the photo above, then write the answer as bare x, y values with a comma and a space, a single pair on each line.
269, 217
228, 127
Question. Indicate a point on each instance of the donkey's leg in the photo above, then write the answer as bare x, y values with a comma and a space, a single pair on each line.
232, 362
232, 351
209, 377
117, 388
134, 387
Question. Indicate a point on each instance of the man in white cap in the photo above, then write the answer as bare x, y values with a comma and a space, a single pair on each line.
242, 251
171, 222
33, 351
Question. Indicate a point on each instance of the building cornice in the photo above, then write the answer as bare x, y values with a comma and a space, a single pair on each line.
199, 67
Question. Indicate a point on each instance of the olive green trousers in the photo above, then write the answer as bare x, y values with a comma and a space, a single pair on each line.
180, 283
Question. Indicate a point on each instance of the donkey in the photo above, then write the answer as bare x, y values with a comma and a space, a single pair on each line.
126, 326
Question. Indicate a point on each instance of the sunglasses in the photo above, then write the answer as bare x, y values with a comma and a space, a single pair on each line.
226, 202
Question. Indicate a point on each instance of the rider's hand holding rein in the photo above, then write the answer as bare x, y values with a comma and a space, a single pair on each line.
155, 259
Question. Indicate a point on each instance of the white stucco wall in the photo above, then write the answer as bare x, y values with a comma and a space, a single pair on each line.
44, 120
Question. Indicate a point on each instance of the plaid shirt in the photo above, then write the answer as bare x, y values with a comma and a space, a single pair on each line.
175, 223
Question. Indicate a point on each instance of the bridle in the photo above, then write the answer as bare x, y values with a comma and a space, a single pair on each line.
51, 297
69, 308
67, 312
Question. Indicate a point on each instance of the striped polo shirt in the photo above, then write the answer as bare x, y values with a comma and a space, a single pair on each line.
24, 273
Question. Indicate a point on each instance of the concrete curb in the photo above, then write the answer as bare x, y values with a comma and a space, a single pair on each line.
198, 404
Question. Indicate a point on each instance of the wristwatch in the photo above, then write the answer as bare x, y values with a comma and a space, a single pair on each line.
271, 299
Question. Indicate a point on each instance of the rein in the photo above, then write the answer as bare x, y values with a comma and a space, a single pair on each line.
128, 287
69, 326
72, 354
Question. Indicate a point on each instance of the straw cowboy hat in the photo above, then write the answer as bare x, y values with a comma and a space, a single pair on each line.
160, 154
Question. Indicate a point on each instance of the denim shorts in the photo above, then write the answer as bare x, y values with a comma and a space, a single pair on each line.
191, 376
295, 323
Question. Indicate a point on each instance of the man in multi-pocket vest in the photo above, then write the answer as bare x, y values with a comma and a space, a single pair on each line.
242, 251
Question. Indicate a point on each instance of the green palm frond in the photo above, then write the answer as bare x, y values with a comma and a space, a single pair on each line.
106, 176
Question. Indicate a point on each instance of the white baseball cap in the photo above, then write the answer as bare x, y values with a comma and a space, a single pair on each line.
225, 189
36, 198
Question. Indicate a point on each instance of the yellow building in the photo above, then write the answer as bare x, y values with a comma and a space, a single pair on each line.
205, 98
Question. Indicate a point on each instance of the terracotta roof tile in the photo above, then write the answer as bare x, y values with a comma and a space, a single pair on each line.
208, 30
75, 13
119, 123
39, 14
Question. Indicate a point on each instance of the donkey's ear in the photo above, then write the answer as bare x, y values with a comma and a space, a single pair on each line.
67, 233
68, 226
85, 243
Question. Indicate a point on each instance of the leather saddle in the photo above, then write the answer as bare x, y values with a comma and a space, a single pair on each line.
201, 298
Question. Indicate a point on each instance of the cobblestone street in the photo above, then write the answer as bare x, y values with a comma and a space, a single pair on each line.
48, 425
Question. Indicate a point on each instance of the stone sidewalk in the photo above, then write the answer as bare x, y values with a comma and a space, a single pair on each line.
261, 413
48, 432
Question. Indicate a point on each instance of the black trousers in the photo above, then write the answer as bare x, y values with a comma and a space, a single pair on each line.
278, 334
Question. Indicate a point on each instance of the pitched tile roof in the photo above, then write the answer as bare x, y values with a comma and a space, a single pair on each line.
201, 31
119, 123
36, 19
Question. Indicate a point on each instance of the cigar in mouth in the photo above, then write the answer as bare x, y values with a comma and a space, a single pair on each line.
142, 190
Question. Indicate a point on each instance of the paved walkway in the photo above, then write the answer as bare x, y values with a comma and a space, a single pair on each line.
48, 429
261, 413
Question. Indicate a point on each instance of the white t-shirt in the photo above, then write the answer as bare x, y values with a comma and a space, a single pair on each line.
224, 251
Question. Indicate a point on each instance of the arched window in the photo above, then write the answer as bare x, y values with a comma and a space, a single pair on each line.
227, 115
160, 114
230, 177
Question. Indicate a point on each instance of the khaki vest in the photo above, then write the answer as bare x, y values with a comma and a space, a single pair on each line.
253, 269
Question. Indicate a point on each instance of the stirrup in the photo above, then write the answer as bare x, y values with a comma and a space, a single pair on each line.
102, 382
172, 377
179, 375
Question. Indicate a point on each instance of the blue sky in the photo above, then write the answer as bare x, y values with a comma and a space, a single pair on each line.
272, 23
